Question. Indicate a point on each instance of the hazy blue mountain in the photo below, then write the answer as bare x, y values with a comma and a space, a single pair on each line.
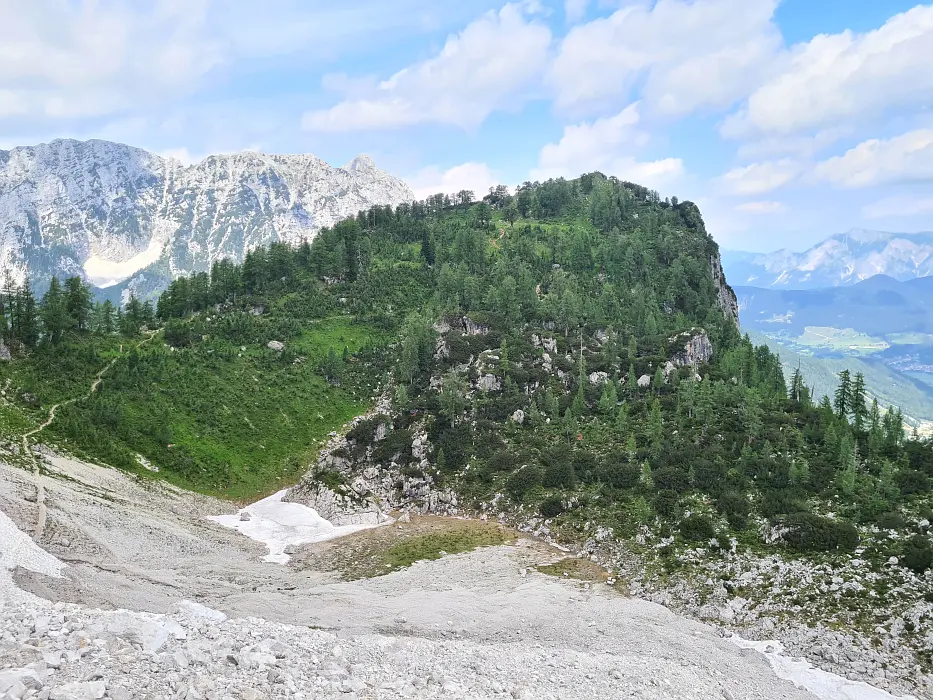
843, 259
878, 306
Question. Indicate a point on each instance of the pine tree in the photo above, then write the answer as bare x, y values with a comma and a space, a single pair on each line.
54, 312
859, 410
846, 477
799, 472
842, 402
622, 419
78, 303
655, 425
609, 399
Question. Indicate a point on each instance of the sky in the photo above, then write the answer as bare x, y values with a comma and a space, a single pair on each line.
784, 121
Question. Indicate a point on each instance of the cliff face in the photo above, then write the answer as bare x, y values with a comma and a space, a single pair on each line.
112, 213
726, 296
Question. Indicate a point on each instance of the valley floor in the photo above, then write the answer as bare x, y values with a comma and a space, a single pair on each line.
477, 625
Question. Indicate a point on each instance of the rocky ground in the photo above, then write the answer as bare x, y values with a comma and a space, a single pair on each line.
485, 624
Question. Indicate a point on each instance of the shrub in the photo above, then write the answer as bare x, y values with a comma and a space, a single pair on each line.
617, 471
501, 461
672, 479
918, 554
697, 528
585, 465
807, 532
522, 481
560, 475
911, 481
551, 507
891, 521
735, 507
775, 503
177, 333
665, 502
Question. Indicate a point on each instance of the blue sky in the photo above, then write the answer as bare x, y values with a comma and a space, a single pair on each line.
785, 121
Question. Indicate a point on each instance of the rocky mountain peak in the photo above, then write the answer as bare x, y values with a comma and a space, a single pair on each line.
361, 163
116, 214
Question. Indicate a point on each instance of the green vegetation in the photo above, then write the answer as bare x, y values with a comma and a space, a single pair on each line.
434, 545
540, 341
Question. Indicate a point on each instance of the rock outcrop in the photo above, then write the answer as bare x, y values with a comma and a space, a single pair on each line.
724, 293
691, 348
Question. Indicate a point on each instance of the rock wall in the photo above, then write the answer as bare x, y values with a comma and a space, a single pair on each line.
727, 299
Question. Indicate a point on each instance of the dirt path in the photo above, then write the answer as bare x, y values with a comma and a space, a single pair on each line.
36, 465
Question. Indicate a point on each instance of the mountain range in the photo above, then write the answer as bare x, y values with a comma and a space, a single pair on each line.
842, 259
127, 219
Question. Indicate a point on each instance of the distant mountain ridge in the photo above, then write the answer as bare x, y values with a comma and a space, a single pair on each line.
880, 305
112, 213
840, 260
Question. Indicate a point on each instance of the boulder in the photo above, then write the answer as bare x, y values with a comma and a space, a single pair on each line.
598, 378
644, 381
518, 416
275, 345
5, 355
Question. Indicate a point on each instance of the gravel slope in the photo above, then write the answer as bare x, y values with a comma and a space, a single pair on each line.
477, 625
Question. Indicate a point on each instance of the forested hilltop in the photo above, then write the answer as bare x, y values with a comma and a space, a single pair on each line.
569, 351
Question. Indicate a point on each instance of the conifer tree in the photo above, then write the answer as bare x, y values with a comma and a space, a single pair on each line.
842, 402
859, 410
54, 312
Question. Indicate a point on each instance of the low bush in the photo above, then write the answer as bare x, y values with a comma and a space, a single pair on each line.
807, 532
918, 554
551, 507
697, 528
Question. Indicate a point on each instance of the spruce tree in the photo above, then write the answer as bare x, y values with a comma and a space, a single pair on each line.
54, 312
78, 303
842, 402
859, 410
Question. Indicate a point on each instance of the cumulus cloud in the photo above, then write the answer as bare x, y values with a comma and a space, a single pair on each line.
467, 176
834, 78
485, 67
761, 207
759, 178
61, 60
607, 145
689, 55
904, 158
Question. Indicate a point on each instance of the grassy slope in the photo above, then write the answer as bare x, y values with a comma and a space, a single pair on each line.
238, 424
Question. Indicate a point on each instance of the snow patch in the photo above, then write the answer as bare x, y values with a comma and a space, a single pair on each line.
824, 685
106, 273
18, 549
279, 525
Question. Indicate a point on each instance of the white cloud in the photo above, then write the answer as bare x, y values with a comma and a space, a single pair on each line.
575, 10
467, 176
759, 178
607, 145
837, 78
898, 206
904, 158
690, 55
60, 59
484, 68
761, 207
